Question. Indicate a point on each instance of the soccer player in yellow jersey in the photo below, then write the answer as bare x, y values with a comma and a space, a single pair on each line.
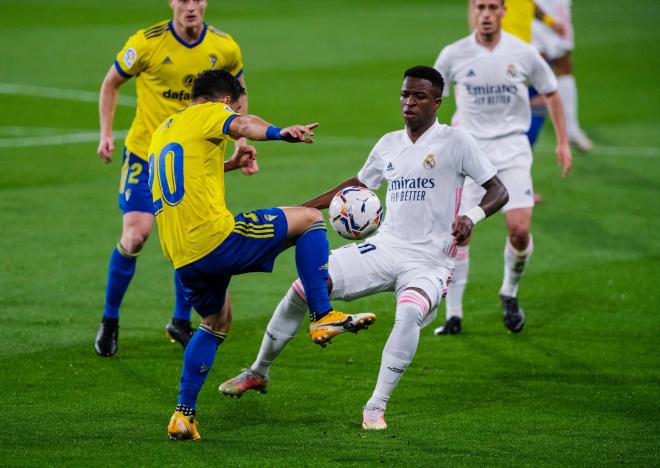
164, 60
208, 245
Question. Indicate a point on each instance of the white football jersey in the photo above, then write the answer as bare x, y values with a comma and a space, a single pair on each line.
424, 185
491, 85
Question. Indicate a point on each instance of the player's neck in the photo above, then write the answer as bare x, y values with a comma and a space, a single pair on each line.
415, 133
188, 34
489, 41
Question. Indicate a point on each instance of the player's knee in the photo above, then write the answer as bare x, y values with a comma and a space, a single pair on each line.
219, 322
134, 239
519, 237
312, 215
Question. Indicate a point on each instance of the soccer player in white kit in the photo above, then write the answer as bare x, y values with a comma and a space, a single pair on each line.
490, 70
557, 48
412, 253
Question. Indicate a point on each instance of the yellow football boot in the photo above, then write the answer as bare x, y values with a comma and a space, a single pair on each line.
335, 323
182, 427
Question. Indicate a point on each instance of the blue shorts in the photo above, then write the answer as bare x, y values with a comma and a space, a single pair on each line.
134, 192
257, 239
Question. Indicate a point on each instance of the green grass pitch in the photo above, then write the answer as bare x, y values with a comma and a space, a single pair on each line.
580, 385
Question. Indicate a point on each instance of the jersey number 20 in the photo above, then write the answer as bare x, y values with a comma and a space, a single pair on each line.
170, 174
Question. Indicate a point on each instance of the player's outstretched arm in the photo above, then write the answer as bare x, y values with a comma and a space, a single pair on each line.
257, 129
323, 201
107, 104
563, 150
494, 199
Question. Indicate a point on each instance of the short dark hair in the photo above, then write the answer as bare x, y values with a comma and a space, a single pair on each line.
215, 83
429, 74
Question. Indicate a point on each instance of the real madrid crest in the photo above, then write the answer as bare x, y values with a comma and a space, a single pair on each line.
429, 162
511, 71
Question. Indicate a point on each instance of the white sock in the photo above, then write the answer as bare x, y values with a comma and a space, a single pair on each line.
514, 265
286, 320
456, 287
568, 94
401, 345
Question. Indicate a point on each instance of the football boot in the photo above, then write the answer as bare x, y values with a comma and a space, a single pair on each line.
451, 327
179, 331
107, 336
335, 323
373, 418
246, 380
513, 315
182, 427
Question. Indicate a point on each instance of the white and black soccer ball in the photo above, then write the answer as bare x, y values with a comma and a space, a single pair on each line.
355, 213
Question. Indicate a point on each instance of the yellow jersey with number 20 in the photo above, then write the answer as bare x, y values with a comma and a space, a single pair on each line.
186, 176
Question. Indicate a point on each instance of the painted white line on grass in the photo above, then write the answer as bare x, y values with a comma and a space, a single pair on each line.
56, 139
59, 93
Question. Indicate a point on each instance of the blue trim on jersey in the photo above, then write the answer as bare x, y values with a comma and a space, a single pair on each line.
120, 71
225, 127
181, 41
238, 75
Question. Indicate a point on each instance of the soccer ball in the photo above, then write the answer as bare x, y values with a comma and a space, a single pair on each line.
355, 213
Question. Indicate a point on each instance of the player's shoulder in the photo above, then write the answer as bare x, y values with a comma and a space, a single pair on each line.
514, 43
391, 139
155, 31
218, 34
459, 46
455, 135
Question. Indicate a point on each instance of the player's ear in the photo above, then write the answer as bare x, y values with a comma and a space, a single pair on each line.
438, 103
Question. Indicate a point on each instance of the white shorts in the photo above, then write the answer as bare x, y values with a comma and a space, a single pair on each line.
512, 157
359, 270
549, 43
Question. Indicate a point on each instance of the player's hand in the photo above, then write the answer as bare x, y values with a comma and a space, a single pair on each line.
296, 133
462, 229
106, 147
559, 29
564, 158
245, 159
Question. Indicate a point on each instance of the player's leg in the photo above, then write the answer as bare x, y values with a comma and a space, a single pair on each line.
136, 227
180, 329
213, 304
285, 322
414, 302
355, 271
471, 196
517, 252
306, 228
567, 88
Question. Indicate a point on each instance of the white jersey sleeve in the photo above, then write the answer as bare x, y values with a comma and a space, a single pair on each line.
371, 173
442, 65
474, 162
541, 75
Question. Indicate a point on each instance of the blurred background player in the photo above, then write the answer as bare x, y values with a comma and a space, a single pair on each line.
490, 70
412, 253
164, 59
186, 177
552, 35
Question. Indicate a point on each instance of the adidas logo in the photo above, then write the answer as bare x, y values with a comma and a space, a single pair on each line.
166, 61
528, 192
471, 73
390, 167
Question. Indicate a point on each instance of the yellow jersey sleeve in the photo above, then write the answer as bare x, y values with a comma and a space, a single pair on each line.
131, 60
215, 125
